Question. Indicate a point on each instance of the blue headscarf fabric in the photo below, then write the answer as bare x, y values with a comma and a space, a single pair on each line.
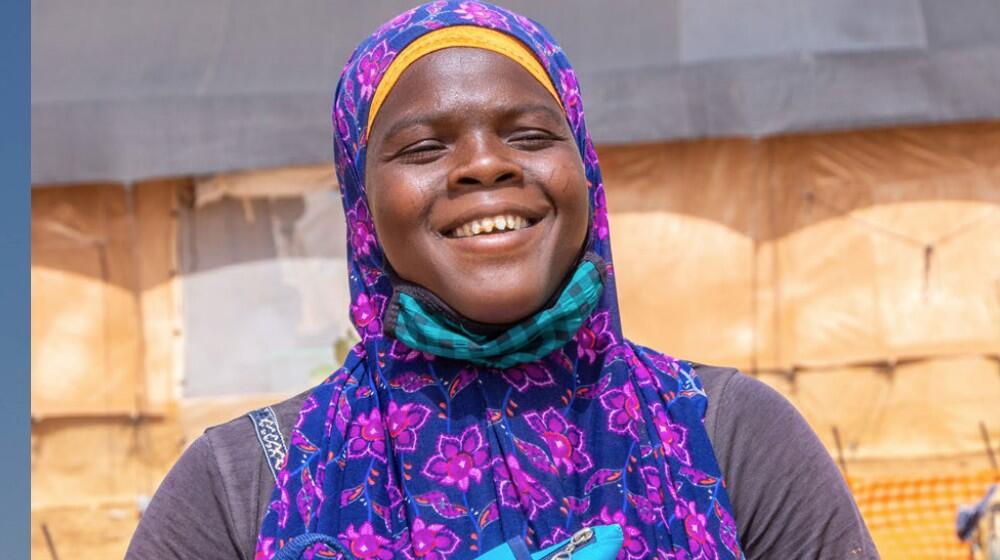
401, 453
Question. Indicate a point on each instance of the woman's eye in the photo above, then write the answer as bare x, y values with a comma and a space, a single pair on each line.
421, 151
533, 139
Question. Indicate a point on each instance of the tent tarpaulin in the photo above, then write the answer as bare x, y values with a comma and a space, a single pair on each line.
103, 300
819, 249
125, 90
930, 409
85, 342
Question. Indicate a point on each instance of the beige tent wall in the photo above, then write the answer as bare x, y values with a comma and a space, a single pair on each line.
85, 346
104, 423
155, 209
856, 272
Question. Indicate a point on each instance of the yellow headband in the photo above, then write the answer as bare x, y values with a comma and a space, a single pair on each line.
458, 36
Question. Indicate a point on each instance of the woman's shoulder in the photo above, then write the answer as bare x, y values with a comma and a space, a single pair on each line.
233, 434
237, 446
789, 498
722, 382
736, 399
215, 494
714, 378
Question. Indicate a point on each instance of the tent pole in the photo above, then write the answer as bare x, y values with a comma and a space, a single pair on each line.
986, 441
840, 451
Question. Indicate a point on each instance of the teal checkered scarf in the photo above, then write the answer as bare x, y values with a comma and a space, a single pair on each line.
423, 322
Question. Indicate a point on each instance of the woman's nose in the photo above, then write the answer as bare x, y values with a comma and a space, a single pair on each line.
483, 162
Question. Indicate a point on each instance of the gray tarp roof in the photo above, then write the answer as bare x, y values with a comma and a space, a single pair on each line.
131, 89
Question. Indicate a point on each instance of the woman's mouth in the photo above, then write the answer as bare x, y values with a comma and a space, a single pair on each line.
491, 225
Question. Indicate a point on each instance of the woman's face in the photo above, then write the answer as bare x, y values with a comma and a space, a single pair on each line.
475, 184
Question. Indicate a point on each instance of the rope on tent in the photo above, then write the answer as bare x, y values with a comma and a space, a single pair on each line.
986, 441
929, 247
49, 542
887, 365
840, 451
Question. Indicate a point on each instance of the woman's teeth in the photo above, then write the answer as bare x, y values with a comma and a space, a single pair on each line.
505, 222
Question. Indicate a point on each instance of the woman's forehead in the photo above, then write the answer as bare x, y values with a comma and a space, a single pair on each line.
461, 78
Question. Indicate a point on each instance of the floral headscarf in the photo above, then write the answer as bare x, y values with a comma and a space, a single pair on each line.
403, 453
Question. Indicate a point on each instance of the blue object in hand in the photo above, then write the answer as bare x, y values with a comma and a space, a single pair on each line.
602, 542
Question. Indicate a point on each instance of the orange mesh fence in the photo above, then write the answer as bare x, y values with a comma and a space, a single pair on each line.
914, 518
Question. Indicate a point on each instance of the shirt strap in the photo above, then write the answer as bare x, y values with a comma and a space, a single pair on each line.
265, 424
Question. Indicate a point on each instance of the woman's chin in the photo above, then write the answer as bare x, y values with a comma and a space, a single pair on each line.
499, 315
501, 292
499, 309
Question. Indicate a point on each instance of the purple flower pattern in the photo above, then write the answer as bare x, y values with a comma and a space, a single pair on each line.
673, 438
571, 97
341, 122
431, 541
564, 440
361, 230
524, 376
654, 486
601, 228
558, 535
411, 381
623, 410
366, 312
403, 353
403, 422
526, 24
594, 337
634, 544
481, 16
518, 489
371, 66
349, 106
700, 540
433, 8
265, 549
459, 460
365, 543
397, 22
366, 437
666, 365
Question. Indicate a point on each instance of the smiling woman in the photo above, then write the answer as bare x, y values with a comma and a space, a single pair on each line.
493, 407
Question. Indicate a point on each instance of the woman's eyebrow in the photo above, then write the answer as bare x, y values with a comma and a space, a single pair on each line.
431, 117
529, 108
411, 121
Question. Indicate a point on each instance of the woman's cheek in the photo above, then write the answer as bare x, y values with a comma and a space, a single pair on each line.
399, 199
